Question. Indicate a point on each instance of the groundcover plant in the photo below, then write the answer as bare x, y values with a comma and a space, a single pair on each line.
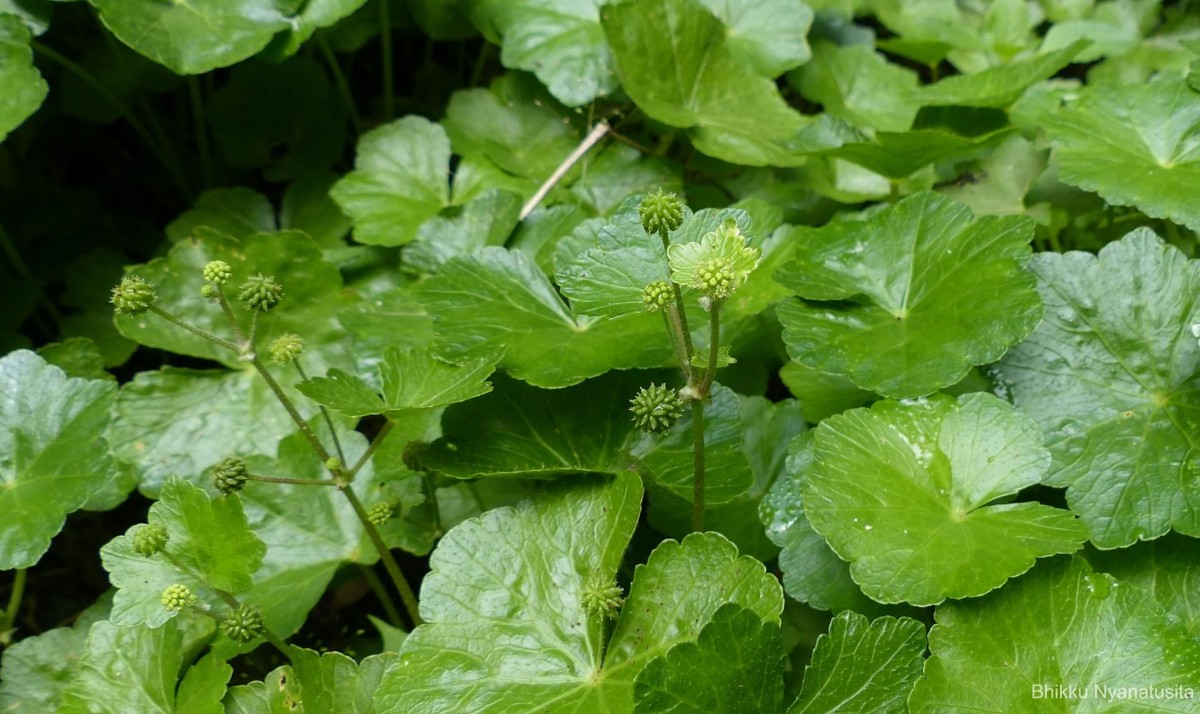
746, 356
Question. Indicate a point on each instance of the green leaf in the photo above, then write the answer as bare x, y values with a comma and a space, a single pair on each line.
735, 666
1167, 568
1109, 377
571, 537
310, 17
400, 180
211, 547
307, 207
812, 573
897, 155
907, 301
412, 379
36, 670
1060, 626
77, 357
135, 669
24, 88
494, 299
559, 41
513, 125
52, 456
998, 184
181, 421
1134, 145
863, 665
726, 247
286, 119
313, 296
193, 39
914, 496
859, 85
617, 172
486, 220
237, 212
35, 14
769, 38
998, 86
822, 394
520, 431
674, 62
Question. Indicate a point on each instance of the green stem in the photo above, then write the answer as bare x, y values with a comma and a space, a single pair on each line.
485, 53
714, 345
169, 163
389, 562
671, 322
9, 617
385, 40
202, 145
23, 271
433, 500
286, 401
193, 329
253, 339
385, 598
366, 456
339, 79
233, 321
298, 481
337, 443
683, 323
698, 460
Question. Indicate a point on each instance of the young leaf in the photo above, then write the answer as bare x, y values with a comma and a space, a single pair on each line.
560, 42
906, 492
52, 457
400, 180
412, 379
735, 666
136, 669
313, 684
905, 302
194, 39
1060, 626
672, 59
495, 299
1134, 144
863, 666
181, 421
24, 88
569, 540
1109, 376
210, 546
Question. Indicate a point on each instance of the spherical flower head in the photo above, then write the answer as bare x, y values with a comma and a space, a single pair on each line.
601, 597
380, 514
261, 292
717, 264
210, 292
132, 296
176, 597
243, 625
656, 408
715, 278
657, 295
230, 475
660, 211
149, 539
217, 272
286, 348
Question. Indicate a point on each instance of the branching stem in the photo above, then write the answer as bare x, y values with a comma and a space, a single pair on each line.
596, 134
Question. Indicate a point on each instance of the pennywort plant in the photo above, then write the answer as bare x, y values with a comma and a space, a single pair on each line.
712, 268
257, 295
